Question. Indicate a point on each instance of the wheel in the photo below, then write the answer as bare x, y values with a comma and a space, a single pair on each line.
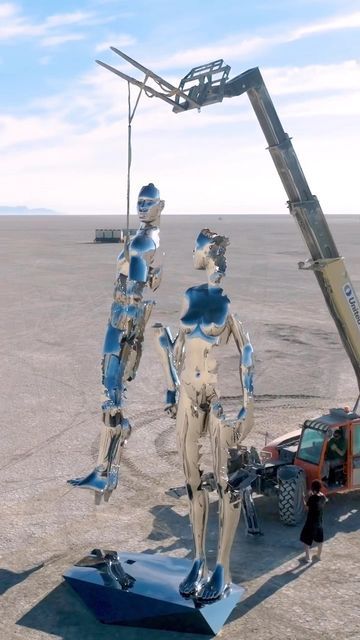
292, 487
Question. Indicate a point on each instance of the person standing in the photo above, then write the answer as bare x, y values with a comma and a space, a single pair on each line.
335, 455
313, 528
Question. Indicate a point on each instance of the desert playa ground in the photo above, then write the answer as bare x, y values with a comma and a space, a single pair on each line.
56, 293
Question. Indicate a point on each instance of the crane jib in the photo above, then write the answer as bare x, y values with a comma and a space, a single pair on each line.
210, 83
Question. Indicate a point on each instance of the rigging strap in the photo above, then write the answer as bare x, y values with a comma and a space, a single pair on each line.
129, 157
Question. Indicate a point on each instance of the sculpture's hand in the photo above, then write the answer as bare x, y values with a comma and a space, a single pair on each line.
234, 429
171, 409
171, 405
155, 275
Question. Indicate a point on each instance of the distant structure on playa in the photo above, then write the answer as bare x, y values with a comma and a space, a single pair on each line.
112, 235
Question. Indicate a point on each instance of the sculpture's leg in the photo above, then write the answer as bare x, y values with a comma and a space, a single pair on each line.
140, 315
113, 438
116, 428
190, 422
104, 478
222, 439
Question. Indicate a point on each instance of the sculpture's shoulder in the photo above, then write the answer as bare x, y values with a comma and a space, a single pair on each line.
214, 295
145, 241
197, 288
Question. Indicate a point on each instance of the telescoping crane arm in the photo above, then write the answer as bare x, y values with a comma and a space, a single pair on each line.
208, 84
328, 266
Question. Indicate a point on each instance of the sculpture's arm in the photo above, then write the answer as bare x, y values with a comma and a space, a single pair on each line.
122, 263
155, 276
135, 270
141, 256
245, 417
171, 352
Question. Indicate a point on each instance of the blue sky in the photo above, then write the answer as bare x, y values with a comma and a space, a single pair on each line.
63, 119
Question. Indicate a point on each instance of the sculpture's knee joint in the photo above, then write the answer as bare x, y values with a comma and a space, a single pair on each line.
221, 489
189, 491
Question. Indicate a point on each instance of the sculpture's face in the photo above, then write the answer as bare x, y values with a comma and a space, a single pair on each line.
149, 205
201, 251
209, 254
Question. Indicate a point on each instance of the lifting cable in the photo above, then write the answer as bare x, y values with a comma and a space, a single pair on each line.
129, 157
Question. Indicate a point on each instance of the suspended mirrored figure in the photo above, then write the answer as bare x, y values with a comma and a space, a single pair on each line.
190, 367
123, 340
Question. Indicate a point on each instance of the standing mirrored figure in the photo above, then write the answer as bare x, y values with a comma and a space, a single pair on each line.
190, 367
123, 340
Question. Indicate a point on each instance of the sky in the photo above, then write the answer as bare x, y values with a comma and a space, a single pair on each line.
64, 119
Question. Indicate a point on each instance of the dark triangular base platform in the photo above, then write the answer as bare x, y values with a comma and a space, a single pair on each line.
149, 596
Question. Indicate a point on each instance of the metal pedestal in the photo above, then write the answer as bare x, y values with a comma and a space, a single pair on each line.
142, 590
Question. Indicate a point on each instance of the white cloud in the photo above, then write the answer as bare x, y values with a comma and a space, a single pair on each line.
314, 78
62, 19
120, 40
14, 24
342, 105
7, 10
337, 23
71, 154
53, 41
34, 130
238, 47
225, 49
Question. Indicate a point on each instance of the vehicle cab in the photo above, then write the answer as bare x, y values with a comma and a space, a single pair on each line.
339, 473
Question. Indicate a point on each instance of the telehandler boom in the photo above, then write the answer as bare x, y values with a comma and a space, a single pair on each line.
291, 462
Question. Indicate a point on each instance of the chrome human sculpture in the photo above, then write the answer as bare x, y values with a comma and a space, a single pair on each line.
123, 340
190, 367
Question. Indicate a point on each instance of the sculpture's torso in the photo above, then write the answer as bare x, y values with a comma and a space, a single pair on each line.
205, 325
131, 271
143, 244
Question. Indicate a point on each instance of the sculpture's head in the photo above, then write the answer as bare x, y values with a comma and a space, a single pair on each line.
149, 205
209, 254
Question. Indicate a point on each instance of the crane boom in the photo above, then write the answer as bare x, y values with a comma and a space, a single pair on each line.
328, 266
208, 84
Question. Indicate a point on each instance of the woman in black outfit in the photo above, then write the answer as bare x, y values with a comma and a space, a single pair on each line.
313, 527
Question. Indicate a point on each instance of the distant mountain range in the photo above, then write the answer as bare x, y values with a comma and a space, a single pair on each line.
25, 211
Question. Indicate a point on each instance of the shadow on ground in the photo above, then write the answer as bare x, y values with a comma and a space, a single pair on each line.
253, 556
62, 613
9, 579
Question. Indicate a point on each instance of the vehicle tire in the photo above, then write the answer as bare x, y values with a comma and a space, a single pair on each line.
291, 496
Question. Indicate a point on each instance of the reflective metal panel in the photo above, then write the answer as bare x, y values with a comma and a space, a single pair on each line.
190, 365
124, 337
141, 590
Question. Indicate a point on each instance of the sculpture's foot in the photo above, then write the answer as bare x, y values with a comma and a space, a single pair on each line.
103, 483
194, 580
99, 496
216, 587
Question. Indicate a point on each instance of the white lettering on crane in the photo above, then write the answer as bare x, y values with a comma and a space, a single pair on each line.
352, 302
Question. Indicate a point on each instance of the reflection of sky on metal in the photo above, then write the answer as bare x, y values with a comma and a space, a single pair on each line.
123, 344
193, 398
